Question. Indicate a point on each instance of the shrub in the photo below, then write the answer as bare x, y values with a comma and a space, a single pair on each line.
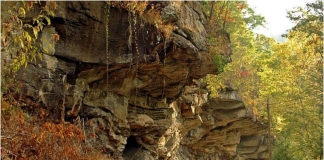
26, 137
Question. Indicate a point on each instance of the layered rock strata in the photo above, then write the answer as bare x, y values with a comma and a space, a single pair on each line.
140, 97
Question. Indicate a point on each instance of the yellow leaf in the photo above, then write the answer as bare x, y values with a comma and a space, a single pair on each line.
22, 11
48, 20
28, 26
22, 43
35, 30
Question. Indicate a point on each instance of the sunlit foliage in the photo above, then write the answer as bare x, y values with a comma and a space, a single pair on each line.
289, 73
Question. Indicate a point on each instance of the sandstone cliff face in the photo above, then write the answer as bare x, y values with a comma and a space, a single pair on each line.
142, 97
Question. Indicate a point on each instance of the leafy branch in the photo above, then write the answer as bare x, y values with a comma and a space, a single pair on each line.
19, 47
19, 37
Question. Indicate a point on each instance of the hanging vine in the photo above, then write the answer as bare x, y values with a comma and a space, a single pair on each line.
130, 37
137, 57
164, 80
107, 41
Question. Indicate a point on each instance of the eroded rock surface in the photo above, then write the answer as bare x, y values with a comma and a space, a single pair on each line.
142, 97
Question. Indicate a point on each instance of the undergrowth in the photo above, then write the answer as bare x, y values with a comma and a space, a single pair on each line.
31, 137
220, 62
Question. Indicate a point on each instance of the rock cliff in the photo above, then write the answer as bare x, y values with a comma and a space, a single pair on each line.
132, 71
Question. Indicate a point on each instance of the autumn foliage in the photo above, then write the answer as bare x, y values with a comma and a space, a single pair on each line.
289, 73
31, 137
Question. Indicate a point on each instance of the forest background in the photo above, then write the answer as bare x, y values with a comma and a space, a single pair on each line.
290, 74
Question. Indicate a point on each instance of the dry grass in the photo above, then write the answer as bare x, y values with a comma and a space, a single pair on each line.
25, 137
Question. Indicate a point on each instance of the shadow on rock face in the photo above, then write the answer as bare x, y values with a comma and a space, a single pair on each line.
135, 151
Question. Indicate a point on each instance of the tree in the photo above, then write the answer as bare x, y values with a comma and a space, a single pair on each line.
240, 73
19, 46
309, 20
288, 73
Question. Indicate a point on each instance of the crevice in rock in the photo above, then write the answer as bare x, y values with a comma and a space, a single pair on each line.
67, 60
132, 148
224, 127
131, 143
57, 20
231, 110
